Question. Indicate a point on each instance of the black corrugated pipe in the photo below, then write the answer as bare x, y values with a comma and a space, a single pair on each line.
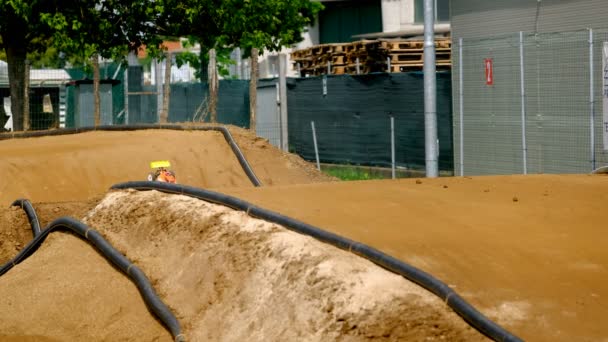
31, 214
225, 132
154, 303
471, 315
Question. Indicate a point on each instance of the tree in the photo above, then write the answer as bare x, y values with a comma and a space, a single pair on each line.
22, 32
226, 24
108, 28
80, 28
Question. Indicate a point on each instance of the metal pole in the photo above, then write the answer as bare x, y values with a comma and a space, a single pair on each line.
126, 90
358, 68
158, 78
461, 106
430, 90
329, 68
393, 146
388, 64
591, 100
283, 94
523, 102
314, 140
239, 62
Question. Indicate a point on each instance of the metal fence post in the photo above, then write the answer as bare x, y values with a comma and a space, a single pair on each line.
158, 79
523, 103
591, 100
126, 90
393, 147
388, 64
430, 91
314, 140
283, 108
461, 106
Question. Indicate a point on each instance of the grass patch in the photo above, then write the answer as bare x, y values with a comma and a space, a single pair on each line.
352, 173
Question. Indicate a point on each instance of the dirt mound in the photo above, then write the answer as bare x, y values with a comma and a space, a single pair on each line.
66, 291
537, 265
230, 277
273, 166
16, 232
80, 166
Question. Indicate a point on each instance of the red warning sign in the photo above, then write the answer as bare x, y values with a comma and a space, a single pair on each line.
489, 64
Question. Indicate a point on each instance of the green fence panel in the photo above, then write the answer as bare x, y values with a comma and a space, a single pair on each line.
352, 119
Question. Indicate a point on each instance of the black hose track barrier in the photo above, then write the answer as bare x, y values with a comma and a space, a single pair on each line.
471, 315
225, 132
31, 214
154, 303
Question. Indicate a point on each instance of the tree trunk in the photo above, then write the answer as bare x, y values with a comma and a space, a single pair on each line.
213, 86
253, 89
97, 98
15, 56
164, 116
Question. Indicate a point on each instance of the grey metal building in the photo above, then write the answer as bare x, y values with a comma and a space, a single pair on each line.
528, 86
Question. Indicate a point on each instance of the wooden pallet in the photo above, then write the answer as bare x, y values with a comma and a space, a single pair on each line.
338, 70
417, 57
404, 55
352, 69
338, 48
419, 66
338, 59
445, 43
301, 54
401, 45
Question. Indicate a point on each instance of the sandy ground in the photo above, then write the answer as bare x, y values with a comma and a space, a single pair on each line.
68, 292
82, 166
228, 277
15, 231
527, 251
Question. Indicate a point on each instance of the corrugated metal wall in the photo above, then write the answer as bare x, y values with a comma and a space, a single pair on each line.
556, 89
482, 18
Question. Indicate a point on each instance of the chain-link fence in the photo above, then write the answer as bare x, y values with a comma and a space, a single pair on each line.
530, 103
65, 98
45, 99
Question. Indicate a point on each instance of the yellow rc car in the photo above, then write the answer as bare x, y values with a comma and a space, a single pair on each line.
161, 172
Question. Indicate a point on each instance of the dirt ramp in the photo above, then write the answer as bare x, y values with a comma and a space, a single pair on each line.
80, 166
16, 232
229, 277
66, 291
273, 166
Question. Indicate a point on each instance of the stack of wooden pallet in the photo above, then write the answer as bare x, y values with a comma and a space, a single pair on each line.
317, 60
368, 56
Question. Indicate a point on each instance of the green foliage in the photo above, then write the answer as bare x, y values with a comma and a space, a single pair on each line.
110, 28
264, 24
227, 24
352, 173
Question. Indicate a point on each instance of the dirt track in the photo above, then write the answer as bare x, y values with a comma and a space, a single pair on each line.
527, 251
530, 250
79, 167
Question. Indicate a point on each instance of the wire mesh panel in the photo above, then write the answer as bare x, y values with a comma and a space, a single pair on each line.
600, 95
528, 103
557, 84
